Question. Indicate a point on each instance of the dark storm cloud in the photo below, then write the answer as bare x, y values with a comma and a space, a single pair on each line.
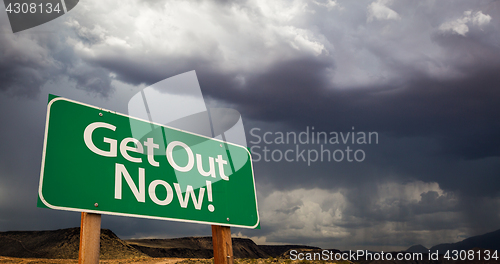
38, 56
457, 110
398, 208
25, 63
93, 79
459, 113
449, 120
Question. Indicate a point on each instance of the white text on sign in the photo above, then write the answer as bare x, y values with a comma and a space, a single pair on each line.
139, 190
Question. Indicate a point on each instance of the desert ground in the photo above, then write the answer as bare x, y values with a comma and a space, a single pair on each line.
155, 261
70, 261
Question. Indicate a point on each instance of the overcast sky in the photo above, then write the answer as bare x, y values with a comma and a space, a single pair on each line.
422, 74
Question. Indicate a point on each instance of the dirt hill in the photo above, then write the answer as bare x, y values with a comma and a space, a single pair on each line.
64, 244
200, 247
188, 247
61, 244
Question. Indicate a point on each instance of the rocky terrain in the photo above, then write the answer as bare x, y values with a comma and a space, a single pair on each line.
201, 247
195, 247
64, 244
61, 246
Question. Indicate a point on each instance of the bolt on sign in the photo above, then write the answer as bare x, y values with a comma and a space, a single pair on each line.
92, 163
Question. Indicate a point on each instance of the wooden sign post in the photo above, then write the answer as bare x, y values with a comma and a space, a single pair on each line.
223, 247
90, 234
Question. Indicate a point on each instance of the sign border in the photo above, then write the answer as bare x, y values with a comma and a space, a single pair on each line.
126, 214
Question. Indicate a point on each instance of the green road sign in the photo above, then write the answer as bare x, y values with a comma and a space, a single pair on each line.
92, 163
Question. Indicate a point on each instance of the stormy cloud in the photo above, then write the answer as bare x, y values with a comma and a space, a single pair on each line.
422, 74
